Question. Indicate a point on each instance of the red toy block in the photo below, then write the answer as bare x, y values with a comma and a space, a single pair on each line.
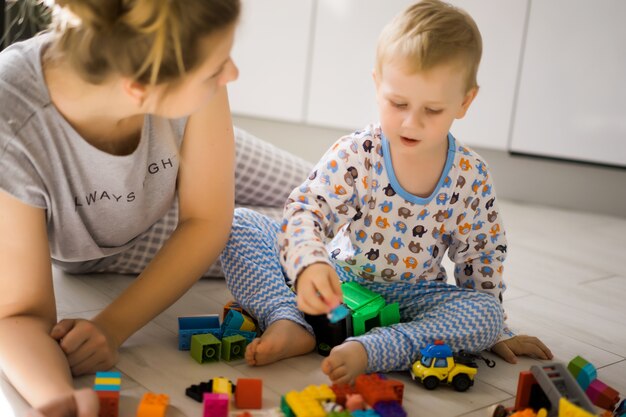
249, 393
398, 388
153, 405
373, 389
109, 403
524, 384
341, 391
602, 395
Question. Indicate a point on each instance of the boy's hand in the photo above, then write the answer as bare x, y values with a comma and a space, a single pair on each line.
86, 344
81, 403
318, 289
516, 346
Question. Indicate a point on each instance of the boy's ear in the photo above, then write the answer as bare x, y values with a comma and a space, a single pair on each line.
467, 100
375, 77
135, 90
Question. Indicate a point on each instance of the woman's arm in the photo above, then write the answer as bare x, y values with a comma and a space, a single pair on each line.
30, 358
206, 196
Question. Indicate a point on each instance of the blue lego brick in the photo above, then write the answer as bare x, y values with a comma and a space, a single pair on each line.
249, 336
108, 375
192, 325
106, 387
389, 409
365, 413
338, 313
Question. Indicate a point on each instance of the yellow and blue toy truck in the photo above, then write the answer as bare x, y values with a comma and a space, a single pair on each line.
438, 364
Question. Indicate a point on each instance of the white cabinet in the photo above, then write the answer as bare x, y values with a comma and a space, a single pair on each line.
346, 31
272, 50
342, 91
572, 96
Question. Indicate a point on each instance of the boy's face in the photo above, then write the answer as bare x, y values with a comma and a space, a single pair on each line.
416, 110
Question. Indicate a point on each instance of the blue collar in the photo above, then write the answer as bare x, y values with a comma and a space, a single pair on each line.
394, 181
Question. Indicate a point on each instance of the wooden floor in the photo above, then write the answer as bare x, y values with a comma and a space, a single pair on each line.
566, 284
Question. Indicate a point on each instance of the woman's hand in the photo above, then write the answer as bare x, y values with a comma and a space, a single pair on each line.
88, 347
318, 289
81, 403
516, 346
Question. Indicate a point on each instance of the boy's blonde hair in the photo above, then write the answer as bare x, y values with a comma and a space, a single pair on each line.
430, 33
150, 41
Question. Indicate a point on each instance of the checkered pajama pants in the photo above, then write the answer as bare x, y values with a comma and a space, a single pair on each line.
264, 177
465, 319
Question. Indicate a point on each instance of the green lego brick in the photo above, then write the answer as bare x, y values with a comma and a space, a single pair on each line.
284, 407
390, 314
355, 296
233, 347
205, 348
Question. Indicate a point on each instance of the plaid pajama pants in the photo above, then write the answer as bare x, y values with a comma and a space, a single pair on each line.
264, 177
465, 319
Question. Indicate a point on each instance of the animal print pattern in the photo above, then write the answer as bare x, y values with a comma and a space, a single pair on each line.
352, 211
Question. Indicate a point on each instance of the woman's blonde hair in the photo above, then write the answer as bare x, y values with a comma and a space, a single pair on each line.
150, 41
428, 34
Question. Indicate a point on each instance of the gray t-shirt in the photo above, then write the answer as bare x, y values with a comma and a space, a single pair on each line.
97, 204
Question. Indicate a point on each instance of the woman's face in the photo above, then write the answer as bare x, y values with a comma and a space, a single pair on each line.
199, 85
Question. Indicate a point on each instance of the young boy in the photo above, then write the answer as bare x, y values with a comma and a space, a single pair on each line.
381, 208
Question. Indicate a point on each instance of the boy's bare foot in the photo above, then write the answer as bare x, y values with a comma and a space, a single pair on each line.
282, 339
345, 362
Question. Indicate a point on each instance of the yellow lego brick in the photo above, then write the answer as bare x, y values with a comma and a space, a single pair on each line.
108, 381
304, 405
248, 324
222, 386
153, 405
567, 409
320, 392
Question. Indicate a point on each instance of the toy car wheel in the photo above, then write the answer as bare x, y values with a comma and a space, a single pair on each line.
430, 382
461, 382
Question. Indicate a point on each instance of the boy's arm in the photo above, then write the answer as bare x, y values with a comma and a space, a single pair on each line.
30, 358
206, 196
479, 245
321, 207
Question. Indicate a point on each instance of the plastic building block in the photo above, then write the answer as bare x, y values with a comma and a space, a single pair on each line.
238, 321
249, 393
529, 393
327, 334
321, 393
620, 411
341, 391
338, 313
153, 405
556, 382
191, 325
365, 413
373, 389
222, 386
583, 371
284, 407
369, 309
107, 387
215, 405
344, 413
567, 409
231, 305
390, 409
602, 395
197, 391
233, 347
249, 336
205, 348
304, 405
